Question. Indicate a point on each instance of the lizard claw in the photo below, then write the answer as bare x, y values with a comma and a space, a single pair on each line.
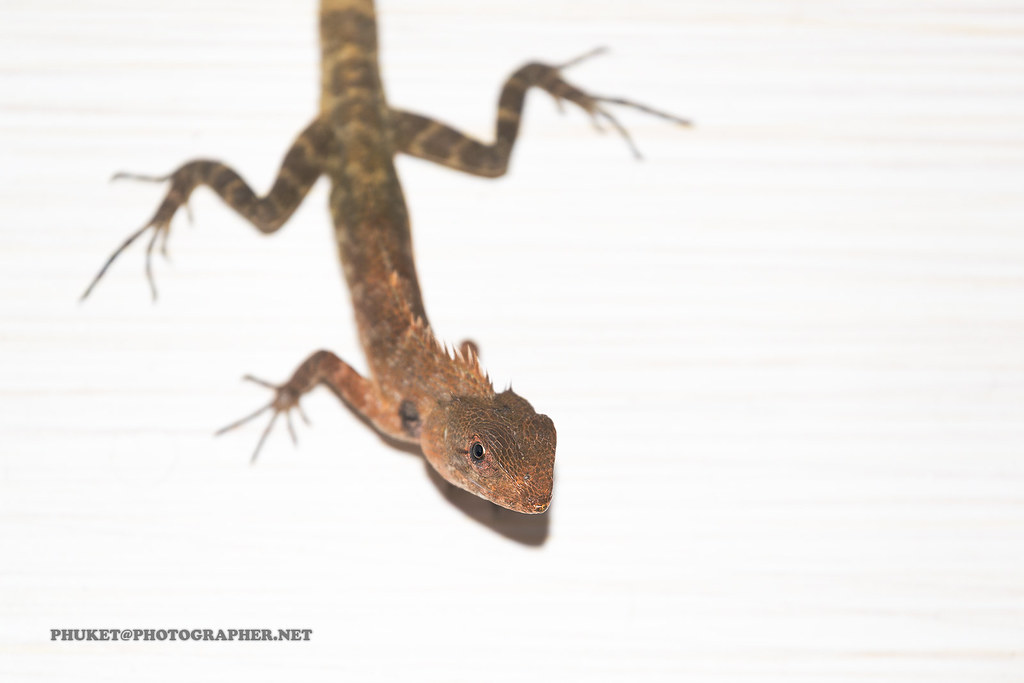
583, 57
126, 175
159, 228
285, 399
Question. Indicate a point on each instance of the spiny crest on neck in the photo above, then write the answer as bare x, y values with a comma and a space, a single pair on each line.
463, 360
465, 364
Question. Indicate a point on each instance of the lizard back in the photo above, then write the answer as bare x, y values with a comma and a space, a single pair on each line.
371, 221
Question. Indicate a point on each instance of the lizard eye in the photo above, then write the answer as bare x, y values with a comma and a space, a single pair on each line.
477, 451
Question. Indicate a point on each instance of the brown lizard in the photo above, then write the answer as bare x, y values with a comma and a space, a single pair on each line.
491, 444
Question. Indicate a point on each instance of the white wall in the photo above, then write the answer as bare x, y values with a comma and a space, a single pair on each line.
785, 354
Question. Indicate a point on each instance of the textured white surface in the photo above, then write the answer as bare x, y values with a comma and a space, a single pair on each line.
785, 354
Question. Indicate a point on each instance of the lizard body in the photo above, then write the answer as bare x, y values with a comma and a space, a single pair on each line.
491, 444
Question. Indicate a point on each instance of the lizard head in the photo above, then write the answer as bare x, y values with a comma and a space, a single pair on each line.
495, 447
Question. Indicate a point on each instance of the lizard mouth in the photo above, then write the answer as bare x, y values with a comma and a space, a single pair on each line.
535, 506
526, 507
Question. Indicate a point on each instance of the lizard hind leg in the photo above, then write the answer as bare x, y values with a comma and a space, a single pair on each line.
302, 165
426, 138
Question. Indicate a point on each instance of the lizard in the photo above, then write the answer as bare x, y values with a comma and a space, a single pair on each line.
419, 391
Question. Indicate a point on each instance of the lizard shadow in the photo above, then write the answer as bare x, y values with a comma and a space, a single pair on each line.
531, 530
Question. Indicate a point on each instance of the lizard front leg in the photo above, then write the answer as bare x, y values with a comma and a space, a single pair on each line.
425, 138
323, 367
302, 165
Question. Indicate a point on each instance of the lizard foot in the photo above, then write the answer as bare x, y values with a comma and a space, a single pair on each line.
285, 399
159, 226
593, 104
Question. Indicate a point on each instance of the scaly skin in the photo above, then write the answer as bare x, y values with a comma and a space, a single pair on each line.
493, 445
